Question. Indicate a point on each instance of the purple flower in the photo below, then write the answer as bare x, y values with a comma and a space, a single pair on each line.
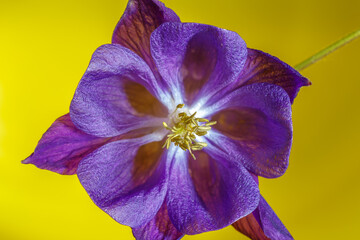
163, 94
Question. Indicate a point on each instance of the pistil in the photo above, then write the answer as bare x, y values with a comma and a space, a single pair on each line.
184, 130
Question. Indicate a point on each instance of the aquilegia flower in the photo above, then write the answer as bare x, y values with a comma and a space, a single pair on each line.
171, 125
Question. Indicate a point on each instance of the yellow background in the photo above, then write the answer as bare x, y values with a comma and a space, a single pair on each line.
45, 47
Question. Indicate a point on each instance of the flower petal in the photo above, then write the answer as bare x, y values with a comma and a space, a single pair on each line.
63, 146
127, 179
271, 224
117, 94
263, 224
262, 67
160, 227
197, 60
254, 125
209, 193
140, 19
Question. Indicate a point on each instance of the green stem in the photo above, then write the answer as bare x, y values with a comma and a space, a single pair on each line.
313, 59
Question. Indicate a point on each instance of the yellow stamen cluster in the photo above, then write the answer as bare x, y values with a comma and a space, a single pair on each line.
184, 130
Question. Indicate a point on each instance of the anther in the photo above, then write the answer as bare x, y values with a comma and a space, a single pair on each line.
184, 130
210, 123
202, 120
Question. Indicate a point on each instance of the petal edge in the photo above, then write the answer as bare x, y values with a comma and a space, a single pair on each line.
63, 146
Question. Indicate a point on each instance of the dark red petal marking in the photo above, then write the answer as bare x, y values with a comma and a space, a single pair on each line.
160, 227
250, 227
140, 19
261, 67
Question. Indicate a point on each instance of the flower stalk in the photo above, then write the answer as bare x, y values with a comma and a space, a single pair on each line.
323, 53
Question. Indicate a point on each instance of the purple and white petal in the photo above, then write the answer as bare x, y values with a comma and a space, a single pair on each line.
263, 224
140, 19
254, 125
63, 146
117, 94
160, 227
197, 60
209, 193
261, 67
127, 179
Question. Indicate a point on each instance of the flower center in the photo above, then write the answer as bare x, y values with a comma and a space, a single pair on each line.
184, 129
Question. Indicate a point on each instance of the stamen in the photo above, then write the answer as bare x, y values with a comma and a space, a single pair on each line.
210, 123
202, 120
180, 106
184, 130
166, 126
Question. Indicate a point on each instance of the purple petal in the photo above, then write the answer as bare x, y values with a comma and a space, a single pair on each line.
160, 227
127, 179
139, 20
117, 94
263, 224
255, 126
197, 60
261, 67
63, 146
209, 193
271, 224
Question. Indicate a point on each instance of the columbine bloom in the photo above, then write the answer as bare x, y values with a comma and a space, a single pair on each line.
171, 125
